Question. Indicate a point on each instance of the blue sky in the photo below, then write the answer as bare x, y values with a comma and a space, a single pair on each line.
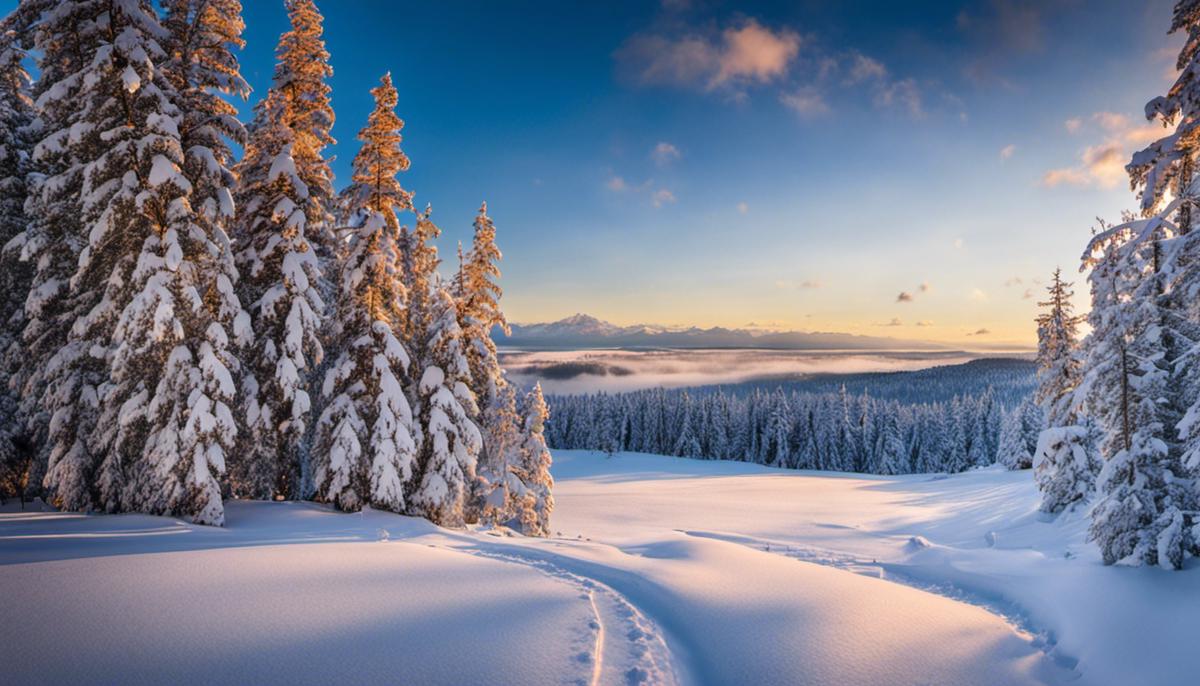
787, 164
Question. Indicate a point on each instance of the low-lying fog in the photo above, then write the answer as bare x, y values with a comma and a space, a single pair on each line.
587, 371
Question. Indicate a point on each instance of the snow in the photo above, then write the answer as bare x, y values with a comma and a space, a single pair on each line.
661, 570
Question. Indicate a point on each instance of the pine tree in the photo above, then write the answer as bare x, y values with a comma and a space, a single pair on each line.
893, 458
379, 162
478, 299
1168, 164
16, 116
365, 452
1140, 512
280, 275
56, 396
1018, 436
301, 71
152, 391
452, 441
1063, 463
536, 501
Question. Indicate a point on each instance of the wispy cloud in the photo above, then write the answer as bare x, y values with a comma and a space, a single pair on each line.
904, 94
743, 208
806, 284
904, 297
1103, 164
1007, 151
659, 196
806, 102
979, 332
924, 323
864, 68
664, 153
740, 54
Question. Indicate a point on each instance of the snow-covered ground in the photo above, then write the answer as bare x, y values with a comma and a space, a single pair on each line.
664, 571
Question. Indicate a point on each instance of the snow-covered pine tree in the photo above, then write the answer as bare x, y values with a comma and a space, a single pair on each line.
1064, 462
1168, 164
280, 274
364, 451
534, 484
1018, 435
301, 70
54, 395
478, 298
149, 363
451, 440
369, 422
1139, 516
686, 444
16, 115
380, 161
892, 455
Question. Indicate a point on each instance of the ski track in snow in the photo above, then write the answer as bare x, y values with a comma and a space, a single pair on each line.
1011, 613
627, 648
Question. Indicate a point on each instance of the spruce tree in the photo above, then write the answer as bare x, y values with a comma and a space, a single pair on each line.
379, 162
139, 393
16, 116
56, 396
451, 440
364, 450
1064, 464
280, 274
301, 73
1019, 435
1139, 515
534, 483
1168, 164
478, 297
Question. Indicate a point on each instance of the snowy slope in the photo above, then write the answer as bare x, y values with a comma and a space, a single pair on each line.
665, 571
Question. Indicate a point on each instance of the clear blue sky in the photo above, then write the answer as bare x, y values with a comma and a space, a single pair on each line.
789, 164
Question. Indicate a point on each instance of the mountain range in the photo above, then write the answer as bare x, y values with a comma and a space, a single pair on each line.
584, 331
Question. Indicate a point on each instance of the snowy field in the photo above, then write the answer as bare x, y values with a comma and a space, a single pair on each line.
664, 571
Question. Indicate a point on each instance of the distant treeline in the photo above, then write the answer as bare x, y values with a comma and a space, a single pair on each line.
831, 430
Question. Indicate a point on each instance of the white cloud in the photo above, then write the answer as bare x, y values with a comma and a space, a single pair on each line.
662, 197
665, 153
978, 295
1007, 151
743, 208
863, 68
1058, 177
806, 102
1111, 121
903, 93
617, 184
1103, 164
